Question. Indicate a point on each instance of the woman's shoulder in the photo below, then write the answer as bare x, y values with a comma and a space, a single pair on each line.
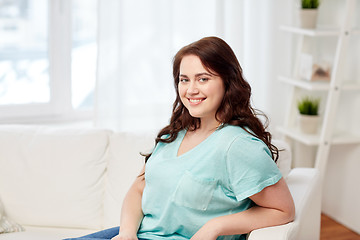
232, 131
240, 142
236, 135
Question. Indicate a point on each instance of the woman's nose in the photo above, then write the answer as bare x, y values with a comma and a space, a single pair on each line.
193, 88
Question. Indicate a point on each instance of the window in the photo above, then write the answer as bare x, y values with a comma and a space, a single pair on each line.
47, 59
24, 63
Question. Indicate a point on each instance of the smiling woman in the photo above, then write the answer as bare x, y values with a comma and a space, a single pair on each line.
212, 174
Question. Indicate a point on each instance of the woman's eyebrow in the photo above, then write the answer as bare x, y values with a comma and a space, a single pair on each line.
183, 75
198, 74
204, 73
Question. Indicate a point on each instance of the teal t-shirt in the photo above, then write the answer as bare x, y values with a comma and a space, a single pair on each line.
215, 178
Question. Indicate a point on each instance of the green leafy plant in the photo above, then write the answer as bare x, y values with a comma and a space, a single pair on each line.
309, 106
310, 4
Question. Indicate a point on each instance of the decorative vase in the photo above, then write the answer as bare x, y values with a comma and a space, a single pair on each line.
308, 18
308, 123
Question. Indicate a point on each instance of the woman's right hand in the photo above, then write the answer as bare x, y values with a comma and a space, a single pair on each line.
125, 236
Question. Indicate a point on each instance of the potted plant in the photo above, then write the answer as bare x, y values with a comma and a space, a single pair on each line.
308, 114
308, 13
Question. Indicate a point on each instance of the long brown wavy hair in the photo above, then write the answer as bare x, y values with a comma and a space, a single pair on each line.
235, 108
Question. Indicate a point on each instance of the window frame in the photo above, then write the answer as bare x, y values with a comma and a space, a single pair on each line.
59, 108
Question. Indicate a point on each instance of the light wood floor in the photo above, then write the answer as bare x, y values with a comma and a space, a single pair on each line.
331, 230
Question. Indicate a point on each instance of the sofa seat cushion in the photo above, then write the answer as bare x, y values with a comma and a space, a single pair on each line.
53, 177
43, 233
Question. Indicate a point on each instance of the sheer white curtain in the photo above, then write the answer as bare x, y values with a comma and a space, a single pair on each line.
138, 39
265, 54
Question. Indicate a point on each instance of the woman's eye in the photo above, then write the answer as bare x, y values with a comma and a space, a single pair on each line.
203, 79
184, 80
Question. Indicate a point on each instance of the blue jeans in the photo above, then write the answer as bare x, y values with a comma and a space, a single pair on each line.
106, 234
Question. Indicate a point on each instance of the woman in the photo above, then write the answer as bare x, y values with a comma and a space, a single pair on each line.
212, 174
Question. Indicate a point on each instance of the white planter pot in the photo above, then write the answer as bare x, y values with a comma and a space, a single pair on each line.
308, 124
308, 18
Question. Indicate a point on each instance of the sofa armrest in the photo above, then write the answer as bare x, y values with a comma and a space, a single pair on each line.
304, 185
282, 232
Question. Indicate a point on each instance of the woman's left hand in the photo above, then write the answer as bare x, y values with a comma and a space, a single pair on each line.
206, 232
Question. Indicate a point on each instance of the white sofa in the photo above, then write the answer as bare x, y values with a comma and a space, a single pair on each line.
67, 182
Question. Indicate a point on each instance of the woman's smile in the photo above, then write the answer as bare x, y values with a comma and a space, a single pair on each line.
196, 101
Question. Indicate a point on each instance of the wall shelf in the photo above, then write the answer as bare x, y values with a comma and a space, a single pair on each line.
307, 139
317, 85
312, 86
314, 139
307, 38
311, 32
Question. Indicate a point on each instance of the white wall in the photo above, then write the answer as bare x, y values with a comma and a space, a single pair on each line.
341, 195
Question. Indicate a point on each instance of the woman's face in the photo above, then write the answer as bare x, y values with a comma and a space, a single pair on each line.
200, 91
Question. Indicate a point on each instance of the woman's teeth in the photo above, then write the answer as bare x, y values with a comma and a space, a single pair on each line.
195, 100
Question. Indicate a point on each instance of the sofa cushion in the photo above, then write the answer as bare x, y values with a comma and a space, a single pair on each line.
124, 165
53, 177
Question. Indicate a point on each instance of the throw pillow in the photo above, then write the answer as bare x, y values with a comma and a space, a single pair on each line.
6, 224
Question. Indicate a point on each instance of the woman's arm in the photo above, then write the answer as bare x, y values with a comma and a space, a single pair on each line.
131, 211
274, 206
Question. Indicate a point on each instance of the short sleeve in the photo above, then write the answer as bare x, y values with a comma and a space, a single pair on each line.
250, 167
